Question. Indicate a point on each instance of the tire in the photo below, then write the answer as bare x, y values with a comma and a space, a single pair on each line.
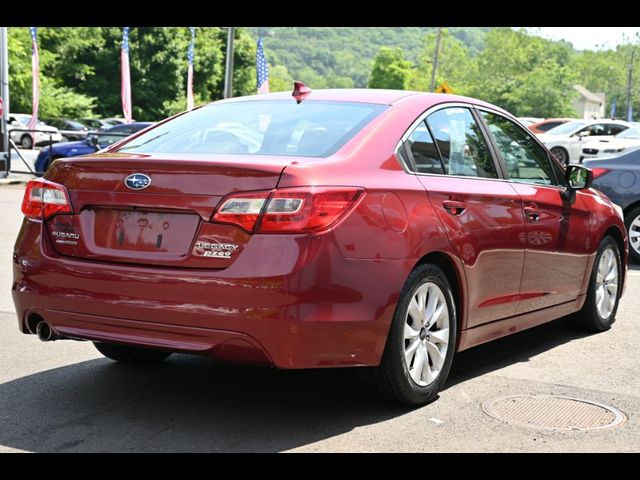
399, 378
561, 154
128, 354
26, 142
632, 222
594, 315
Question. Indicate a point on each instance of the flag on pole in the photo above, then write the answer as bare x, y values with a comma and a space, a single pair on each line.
190, 69
35, 82
125, 77
613, 109
262, 69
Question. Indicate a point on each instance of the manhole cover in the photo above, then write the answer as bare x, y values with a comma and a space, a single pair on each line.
551, 412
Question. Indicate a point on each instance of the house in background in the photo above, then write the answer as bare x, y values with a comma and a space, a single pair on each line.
588, 105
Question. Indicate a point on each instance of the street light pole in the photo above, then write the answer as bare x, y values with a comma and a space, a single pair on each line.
629, 86
434, 67
228, 68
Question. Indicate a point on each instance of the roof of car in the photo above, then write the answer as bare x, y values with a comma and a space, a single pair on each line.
360, 95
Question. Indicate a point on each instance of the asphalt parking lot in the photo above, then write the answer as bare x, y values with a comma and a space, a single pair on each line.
65, 397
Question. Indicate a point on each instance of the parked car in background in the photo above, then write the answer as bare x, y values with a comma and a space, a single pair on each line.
367, 228
565, 141
619, 178
70, 130
25, 139
94, 142
608, 146
526, 121
547, 124
114, 121
96, 123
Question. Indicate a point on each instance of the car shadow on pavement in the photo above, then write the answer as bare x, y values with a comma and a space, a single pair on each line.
188, 403
516, 348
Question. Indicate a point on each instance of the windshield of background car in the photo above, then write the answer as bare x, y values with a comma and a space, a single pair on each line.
309, 129
630, 133
566, 128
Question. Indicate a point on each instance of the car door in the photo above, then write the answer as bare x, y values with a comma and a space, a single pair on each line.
481, 214
557, 251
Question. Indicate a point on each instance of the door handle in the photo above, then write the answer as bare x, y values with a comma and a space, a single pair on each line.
532, 213
454, 207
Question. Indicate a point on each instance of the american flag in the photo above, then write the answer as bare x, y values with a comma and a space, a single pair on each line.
35, 72
262, 69
125, 78
190, 70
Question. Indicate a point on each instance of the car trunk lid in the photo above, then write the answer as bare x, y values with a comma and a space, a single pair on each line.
164, 223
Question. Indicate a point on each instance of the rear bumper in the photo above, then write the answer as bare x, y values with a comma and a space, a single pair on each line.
287, 301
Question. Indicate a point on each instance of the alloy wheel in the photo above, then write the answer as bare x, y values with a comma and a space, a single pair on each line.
426, 334
607, 283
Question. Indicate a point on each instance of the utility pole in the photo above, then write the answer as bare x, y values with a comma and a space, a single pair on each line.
4, 93
629, 86
434, 66
228, 67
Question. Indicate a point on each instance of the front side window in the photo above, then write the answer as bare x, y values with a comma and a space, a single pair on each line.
525, 159
460, 141
266, 127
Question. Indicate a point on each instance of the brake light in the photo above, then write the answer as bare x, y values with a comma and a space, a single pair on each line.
243, 209
43, 199
289, 210
598, 172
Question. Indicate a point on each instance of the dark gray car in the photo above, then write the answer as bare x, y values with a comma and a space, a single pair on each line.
619, 178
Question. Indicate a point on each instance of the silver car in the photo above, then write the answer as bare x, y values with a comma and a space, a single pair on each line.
20, 121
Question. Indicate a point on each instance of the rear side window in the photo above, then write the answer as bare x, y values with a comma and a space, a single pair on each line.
548, 126
461, 143
278, 127
424, 151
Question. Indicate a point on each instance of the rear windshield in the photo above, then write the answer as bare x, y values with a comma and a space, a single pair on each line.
279, 127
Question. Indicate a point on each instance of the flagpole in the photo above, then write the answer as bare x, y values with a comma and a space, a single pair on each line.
228, 68
4, 91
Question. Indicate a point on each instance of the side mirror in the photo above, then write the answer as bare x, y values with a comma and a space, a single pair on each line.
584, 133
578, 177
93, 140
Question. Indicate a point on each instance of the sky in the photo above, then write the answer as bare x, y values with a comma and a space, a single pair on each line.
592, 38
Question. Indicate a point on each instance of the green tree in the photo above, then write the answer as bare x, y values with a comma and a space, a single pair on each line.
455, 64
279, 79
524, 74
390, 69
80, 69
57, 99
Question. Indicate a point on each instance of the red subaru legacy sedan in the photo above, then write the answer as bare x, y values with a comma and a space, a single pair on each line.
352, 228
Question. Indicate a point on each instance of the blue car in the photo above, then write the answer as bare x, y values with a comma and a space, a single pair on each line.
619, 178
93, 143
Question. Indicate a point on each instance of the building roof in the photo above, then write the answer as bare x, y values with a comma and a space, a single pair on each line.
588, 95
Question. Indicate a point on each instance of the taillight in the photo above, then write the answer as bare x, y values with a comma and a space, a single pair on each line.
43, 198
598, 172
289, 210
242, 209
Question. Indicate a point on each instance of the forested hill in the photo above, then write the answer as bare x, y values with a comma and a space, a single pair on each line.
342, 56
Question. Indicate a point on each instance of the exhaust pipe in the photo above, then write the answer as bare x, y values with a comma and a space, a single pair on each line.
45, 332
